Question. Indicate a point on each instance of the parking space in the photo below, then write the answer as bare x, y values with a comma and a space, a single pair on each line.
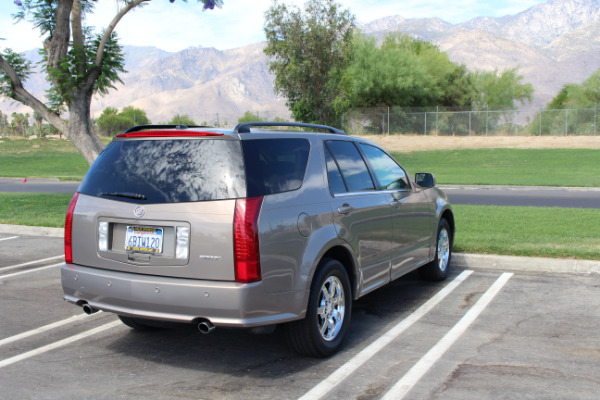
480, 334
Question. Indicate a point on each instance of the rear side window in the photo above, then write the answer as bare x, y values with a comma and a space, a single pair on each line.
167, 171
351, 165
336, 182
275, 165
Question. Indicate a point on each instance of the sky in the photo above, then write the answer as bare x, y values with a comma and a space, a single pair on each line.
179, 25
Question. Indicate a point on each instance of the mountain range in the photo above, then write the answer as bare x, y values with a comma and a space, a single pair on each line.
552, 43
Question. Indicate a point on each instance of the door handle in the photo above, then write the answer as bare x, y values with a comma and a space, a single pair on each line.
345, 209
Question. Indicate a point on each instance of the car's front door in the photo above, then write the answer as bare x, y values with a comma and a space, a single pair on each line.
412, 213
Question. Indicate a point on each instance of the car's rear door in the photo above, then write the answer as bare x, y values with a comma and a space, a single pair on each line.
361, 214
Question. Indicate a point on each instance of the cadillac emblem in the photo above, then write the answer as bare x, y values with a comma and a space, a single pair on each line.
139, 211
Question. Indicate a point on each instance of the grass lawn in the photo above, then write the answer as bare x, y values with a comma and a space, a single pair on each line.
522, 231
41, 158
34, 209
54, 158
520, 167
528, 231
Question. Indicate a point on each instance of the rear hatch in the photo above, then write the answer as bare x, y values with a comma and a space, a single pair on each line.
161, 206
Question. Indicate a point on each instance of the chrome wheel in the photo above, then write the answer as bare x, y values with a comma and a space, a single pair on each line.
331, 308
437, 269
322, 331
443, 249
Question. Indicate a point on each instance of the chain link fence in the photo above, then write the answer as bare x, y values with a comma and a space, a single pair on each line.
460, 122
422, 121
230, 120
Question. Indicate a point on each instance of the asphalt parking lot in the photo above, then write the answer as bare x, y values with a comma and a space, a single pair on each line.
500, 333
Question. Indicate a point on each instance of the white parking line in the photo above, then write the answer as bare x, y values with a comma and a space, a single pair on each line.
355, 362
45, 328
8, 238
30, 263
2, 277
408, 381
56, 345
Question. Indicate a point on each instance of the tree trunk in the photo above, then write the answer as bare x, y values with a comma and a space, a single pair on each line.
81, 128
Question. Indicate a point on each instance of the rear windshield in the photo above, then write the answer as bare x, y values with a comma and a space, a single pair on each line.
167, 171
173, 171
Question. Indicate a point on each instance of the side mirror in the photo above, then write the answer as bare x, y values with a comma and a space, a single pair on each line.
425, 179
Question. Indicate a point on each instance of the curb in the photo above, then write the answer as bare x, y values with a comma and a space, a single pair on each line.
525, 264
32, 230
521, 188
460, 260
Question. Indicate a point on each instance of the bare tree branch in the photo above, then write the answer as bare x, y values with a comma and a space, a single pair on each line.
111, 27
23, 96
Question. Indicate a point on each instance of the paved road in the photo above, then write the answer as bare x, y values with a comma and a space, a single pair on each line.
16, 185
524, 196
467, 195
480, 334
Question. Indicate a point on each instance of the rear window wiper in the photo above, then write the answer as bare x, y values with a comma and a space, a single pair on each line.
134, 196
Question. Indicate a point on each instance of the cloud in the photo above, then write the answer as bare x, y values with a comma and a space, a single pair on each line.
176, 26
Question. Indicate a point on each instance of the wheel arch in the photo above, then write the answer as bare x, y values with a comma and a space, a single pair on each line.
448, 215
344, 256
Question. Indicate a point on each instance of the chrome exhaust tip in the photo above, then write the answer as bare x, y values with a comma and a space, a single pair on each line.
206, 327
88, 309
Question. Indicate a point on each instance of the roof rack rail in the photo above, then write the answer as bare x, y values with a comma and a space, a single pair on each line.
244, 127
144, 127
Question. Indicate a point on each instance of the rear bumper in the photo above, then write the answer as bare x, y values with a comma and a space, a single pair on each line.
179, 300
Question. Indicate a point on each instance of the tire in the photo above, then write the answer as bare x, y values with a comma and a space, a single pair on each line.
137, 324
437, 270
322, 332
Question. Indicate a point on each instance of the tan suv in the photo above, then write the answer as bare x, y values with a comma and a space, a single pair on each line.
248, 228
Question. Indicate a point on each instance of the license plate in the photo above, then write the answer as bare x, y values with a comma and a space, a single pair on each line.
143, 239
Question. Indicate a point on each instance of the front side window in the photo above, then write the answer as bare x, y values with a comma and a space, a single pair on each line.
351, 166
388, 172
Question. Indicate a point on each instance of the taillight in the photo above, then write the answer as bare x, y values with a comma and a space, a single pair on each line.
245, 240
69, 230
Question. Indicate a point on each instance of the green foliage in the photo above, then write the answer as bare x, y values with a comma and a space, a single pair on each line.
42, 14
112, 122
406, 72
78, 64
19, 124
579, 103
409, 77
74, 70
500, 90
182, 120
591, 88
250, 117
309, 52
136, 115
578, 96
21, 66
